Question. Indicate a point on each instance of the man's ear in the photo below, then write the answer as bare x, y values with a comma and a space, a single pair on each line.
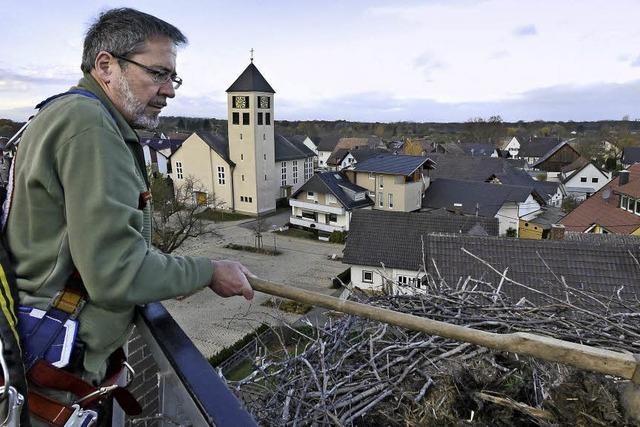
103, 66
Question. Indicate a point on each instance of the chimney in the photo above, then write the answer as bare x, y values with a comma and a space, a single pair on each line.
457, 208
557, 232
624, 178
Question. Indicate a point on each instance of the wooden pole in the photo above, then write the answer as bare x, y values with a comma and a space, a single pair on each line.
581, 356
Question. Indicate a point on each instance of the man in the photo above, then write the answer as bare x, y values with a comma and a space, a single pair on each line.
80, 186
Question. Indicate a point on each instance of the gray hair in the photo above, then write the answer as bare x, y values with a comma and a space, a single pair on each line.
123, 32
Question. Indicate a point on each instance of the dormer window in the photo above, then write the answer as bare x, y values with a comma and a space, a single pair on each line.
381, 181
311, 195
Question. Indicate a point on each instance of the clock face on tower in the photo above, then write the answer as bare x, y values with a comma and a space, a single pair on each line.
240, 102
263, 102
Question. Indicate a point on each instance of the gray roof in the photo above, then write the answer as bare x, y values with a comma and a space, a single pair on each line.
537, 147
477, 148
602, 268
550, 215
337, 156
551, 152
602, 239
477, 168
486, 197
395, 238
287, 150
359, 154
251, 80
327, 143
162, 144
392, 164
338, 184
218, 143
631, 155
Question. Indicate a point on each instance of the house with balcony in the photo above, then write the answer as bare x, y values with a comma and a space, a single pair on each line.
395, 182
326, 202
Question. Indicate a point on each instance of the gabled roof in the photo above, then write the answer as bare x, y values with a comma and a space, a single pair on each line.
218, 143
337, 156
393, 164
578, 163
338, 184
537, 147
486, 197
359, 153
477, 168
287, 150
553, 151
603, 239
548, 216
353, 142
327, 143
299, 139
544, 265
158, 144
448, 147
395, 238
251, 80
603, 207
631, 155
580, 168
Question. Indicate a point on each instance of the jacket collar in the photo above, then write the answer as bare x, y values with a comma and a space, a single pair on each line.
88, 82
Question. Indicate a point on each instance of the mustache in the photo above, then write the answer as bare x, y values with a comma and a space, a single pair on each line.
158, 102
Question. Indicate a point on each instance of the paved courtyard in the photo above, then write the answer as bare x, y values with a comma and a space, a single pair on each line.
212, 322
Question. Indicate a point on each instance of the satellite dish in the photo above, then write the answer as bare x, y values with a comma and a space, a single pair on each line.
606, 193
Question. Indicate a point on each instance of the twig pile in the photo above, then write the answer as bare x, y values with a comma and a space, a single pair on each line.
355, 371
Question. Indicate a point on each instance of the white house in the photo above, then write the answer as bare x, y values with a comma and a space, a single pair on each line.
582, 178
325, 202
512, 145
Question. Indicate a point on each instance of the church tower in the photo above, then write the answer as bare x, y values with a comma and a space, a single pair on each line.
251, 142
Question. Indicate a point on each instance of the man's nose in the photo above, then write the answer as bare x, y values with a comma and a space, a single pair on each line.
167, 90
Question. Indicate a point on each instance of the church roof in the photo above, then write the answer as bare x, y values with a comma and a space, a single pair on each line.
251, 81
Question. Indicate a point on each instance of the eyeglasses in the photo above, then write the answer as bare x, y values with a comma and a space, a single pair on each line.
159, 77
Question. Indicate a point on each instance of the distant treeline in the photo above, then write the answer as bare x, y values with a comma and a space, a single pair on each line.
476, 129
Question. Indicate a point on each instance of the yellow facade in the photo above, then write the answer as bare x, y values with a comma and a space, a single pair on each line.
530, 230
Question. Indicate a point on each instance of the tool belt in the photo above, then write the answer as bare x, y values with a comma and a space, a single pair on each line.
41, 372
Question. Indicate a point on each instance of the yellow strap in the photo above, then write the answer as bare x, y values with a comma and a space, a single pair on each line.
8, 305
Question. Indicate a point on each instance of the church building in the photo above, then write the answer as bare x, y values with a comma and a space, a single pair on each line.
250, 168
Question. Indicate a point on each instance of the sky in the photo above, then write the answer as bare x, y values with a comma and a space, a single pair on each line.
376, 61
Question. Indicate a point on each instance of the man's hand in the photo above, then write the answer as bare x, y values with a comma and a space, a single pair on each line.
230, 279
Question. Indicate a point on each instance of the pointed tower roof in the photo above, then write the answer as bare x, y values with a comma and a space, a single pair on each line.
251, 81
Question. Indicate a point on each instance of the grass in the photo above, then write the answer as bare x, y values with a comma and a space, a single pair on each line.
296, 232
221, 215
288, 306
253, 249
226, 352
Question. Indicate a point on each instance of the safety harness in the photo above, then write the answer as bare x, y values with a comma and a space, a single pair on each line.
39, 339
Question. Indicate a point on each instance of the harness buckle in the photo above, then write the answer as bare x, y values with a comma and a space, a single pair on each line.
81, 417
102, 391
13, 405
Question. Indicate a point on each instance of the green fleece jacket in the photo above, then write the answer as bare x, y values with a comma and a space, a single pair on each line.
78, 178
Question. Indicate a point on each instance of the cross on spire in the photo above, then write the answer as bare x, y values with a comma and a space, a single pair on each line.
251, 55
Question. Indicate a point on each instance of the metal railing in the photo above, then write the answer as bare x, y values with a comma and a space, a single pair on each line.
174, 383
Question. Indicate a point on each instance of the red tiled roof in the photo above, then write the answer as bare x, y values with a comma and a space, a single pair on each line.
607, 212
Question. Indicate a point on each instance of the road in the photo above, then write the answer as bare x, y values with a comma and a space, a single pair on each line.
213, 323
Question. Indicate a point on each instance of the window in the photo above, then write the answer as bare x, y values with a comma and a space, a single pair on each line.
637, 207
390, 201
295, 171
221, 175
381, 181
381, 199
240, 137
200, 198
245, 118
250, 199
333, 218
331, 199
236, 118
631, 204
264, 136
623, 199
242, 198
594, 179
179, 170
309, 215
241, 156
367, 276
267, 118
259, 118
284, 173
311, 195
583, 179
242, 177
371, 175
308, 167
265, 156
265, 177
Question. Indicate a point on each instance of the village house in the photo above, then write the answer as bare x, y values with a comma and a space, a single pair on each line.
394, 181
251, 168
157, 152
536, 148
394, 254
326, 145
326, 201
343, 158
582, 178
630, 156
615, 208
309, 143
388, 245
555, 159
509, 147
507, 203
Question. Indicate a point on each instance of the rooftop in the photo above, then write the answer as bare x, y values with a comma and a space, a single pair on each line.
251, 80
393, 164
338, 184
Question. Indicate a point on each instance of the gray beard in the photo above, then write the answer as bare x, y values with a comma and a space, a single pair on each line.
135, 108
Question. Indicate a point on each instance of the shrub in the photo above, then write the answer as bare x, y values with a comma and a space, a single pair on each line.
338, 237
226, 352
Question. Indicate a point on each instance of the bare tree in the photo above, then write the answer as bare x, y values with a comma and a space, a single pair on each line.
178, 212
258, 227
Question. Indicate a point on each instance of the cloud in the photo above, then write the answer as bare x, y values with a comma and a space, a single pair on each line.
9, 78
501, 54
525, 31
428, 64
636, 62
